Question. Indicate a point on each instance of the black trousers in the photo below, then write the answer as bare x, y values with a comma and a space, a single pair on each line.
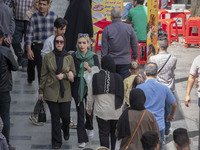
107, 129
59, 111
82, 125
5, 100
36, 48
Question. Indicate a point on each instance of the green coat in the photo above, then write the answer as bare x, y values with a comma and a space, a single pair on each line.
49, 84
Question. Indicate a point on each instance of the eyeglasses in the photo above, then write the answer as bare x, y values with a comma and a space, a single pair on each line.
83, 35
59, 42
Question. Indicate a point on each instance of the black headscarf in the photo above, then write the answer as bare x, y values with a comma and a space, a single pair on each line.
59, 61
79, 19
137, 99
108, 81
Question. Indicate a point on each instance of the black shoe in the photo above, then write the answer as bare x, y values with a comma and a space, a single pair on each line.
29, 82
66, 137
56, 147
65, 134
167, 132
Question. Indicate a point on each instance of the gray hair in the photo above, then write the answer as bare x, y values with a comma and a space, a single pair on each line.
151, 69
116, 14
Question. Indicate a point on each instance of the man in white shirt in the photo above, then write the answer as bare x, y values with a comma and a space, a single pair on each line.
60, 26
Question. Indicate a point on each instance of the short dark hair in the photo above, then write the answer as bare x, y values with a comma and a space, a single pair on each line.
181, 137
60, 23
1, 33
163, 44
150, 140
48, 1
141, 2
151, 69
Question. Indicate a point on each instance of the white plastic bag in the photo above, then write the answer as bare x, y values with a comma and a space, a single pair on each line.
88, 75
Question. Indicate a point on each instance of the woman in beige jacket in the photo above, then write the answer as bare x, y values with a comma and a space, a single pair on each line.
57, 71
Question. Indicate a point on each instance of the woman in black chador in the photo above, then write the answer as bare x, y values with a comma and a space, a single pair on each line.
79, 20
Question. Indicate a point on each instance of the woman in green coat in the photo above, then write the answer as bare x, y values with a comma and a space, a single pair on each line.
57, 71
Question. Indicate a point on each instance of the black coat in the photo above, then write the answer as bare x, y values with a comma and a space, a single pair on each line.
7, 64
79, 20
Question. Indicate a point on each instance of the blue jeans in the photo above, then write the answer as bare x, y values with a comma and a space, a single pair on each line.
20, 31
123, 70
162, 134
167, 112
5, 113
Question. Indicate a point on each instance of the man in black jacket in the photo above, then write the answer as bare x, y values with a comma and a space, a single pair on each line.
7, 64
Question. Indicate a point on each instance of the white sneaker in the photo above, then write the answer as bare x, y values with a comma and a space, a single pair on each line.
90, 133
81, 145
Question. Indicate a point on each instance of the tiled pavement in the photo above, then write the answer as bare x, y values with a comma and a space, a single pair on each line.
26, 136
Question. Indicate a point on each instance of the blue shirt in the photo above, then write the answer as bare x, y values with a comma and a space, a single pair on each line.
40, 27
156, 94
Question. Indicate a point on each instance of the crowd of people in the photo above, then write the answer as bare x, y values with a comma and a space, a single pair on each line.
132, 111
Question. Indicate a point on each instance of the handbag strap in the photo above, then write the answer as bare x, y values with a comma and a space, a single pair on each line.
136, 130
164, 64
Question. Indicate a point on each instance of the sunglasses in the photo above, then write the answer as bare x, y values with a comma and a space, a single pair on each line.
83, 35
59, 42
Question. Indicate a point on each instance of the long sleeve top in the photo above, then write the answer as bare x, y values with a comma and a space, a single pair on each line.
40, 27
20, 7
117, 41
7, 23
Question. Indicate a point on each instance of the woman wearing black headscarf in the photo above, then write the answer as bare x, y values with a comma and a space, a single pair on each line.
79, 18
130, 118
58, 70
107, 91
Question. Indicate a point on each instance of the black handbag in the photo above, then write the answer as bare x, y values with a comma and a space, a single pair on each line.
42, 113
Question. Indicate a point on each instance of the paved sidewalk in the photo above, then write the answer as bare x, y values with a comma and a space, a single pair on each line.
26, 136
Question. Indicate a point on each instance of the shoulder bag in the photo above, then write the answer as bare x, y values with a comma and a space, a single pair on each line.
135, 130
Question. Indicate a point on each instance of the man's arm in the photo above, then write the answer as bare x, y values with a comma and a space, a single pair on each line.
190, 84
129, 18
172, 113
104, 47
134, 44
29, 36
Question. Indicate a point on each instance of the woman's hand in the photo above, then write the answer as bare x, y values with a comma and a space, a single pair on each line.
89, 112
71, 76
40, 97
86, 66
60, 76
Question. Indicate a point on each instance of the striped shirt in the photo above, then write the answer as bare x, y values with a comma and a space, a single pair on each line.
166, 75
40, 27
20, 7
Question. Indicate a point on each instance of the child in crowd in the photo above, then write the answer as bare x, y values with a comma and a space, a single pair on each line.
139, 79
134, 70
3, 143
